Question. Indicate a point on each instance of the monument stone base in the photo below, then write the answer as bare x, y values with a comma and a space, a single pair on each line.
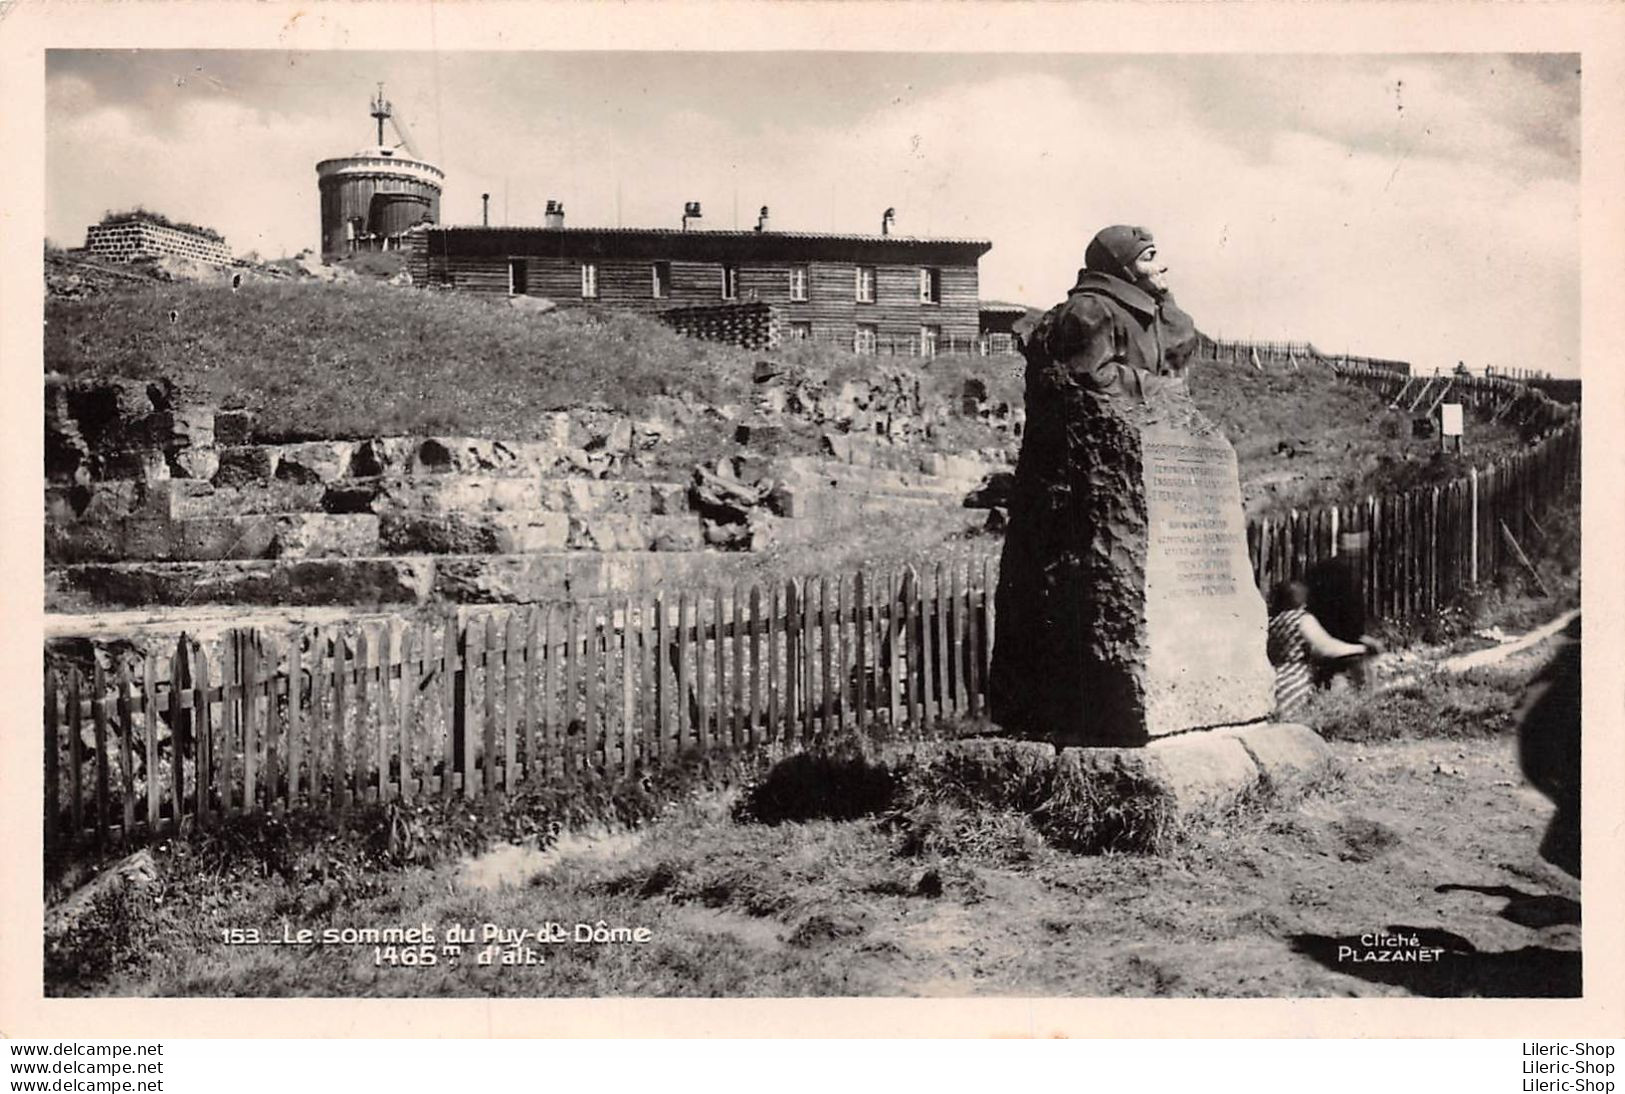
1204, 771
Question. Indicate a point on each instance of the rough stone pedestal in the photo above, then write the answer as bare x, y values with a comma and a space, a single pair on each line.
1197, 772
1126, 605
1081, 795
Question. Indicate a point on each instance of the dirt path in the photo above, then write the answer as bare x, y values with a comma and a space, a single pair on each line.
1430, 845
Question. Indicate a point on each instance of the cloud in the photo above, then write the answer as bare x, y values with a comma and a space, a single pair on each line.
1417, 207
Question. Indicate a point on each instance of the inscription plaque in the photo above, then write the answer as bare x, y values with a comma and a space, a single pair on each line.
1205, 620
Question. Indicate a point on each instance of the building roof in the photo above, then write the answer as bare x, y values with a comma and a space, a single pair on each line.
698, 243
743, 233
1004, 306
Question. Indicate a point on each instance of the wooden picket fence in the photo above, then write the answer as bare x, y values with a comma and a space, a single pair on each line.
1276, 354
372, 713
1425, 546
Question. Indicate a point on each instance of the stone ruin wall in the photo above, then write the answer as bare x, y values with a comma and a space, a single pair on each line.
131, 240
153, 500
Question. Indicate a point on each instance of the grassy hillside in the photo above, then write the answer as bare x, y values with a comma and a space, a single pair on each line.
1305, 438
360, 358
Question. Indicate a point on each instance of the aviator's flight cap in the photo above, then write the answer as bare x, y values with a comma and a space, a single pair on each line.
1114, 249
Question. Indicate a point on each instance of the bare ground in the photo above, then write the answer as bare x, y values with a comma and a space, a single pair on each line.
1433, 840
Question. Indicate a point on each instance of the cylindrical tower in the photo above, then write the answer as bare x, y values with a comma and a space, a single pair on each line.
372, 196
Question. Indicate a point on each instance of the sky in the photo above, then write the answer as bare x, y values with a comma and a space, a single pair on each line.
1421, 207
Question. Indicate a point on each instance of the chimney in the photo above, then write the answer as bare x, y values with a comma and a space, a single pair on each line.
554, 216
485, 210
691, 211
762, 220
887, 218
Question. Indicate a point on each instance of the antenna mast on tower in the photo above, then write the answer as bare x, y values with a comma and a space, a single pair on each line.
380, 111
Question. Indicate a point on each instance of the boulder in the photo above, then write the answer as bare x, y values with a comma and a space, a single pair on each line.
134, 872
613, 436
763, 436
246, 463
194, 463
647, 433
993, 492
726, 536
1289, 757
531, 305
323, 535
724, 500
473, 533
314, 461
233, 427
633, 532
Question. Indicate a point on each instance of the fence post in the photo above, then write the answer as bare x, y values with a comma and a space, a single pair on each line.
231, 674
590, 737
909, 597
273, 659
411, 650
629, 706
740, 727
53, 758
512, 661
776, 689
754, 731
126, 729
251, 757
894, 662
839, 680
343, 754
804, 659
861, 667
203, 732
76, 757
956, 627
450, 702
722, 736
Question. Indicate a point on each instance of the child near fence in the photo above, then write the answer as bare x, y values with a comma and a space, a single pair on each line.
1298, 646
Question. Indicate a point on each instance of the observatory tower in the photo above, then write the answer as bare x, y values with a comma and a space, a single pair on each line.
371, 197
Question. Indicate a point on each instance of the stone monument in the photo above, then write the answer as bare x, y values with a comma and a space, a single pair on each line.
1126, 604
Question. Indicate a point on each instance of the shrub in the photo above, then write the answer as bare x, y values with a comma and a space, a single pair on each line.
114, 933
1435, 704
841, 782
1094, 811
128, 216
943, 829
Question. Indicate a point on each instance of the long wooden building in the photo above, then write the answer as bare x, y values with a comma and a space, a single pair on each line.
863, 291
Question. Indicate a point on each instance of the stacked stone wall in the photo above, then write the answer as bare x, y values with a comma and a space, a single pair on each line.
131, 240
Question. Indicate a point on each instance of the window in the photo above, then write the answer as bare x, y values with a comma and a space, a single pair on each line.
589, 280
930, 286
929, 338
865, 338
798, 282
865, 285
800, 332
662, 280
518, 277
730, 282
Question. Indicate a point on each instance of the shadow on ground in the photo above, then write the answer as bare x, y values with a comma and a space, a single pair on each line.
1460, 970
1530, 910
